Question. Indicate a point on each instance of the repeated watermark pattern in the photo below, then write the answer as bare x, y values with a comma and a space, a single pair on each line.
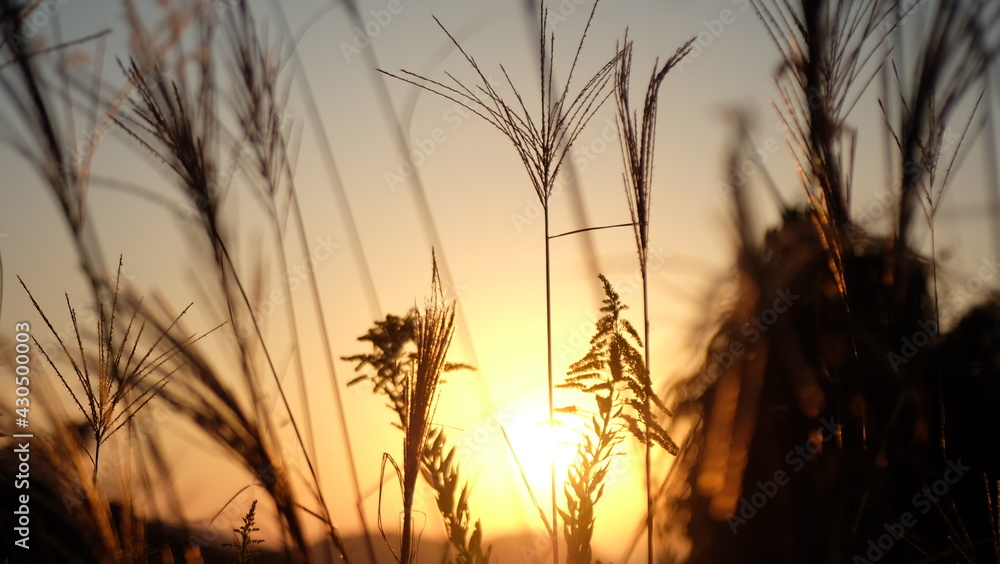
750, 505
924, 500
752, 330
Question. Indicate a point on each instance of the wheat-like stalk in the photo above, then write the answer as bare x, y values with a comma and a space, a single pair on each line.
638, 136
392, 340
434, 326
542, 142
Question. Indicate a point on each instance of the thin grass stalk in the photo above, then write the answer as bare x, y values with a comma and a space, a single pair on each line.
183, 130
268, 133
638, 143
542, 144
361, 261
551, 383
262, 102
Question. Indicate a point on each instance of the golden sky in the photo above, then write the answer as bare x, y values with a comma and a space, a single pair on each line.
485, 219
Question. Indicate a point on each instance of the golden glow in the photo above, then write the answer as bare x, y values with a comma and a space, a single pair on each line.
536, 446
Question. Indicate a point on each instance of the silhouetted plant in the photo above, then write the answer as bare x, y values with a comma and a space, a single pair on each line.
613, 371
393, 342
638, 135
114, 380
244, 542
542, 143
822, 374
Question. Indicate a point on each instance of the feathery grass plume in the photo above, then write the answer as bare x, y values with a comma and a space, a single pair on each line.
392, 358
614, 352
823, 374
951, 60
949, 71
613, 371
177, 122
36, 99
243, 542
175, 117
114, 381
433, 330
830, 58
638, 136
542, 143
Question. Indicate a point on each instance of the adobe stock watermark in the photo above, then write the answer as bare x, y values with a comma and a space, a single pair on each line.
422, 148
295, 276
958, 299
752, 330
582, 154
375, 22
887, 200
924, 500
748, 507
36, 19
712, 30
580, 334
910, 346
564, 11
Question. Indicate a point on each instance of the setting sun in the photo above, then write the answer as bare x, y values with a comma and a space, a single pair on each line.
536, 446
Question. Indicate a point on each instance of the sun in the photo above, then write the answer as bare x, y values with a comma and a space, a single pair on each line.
536, 445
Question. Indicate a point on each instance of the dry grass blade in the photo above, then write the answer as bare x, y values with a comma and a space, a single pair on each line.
114, 380
434, 326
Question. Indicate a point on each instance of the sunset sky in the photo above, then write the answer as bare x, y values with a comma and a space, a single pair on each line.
484, 222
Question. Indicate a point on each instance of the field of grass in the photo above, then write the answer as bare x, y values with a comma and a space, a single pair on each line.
840, 407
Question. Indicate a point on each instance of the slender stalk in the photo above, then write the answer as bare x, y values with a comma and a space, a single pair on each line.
548, 340
409, 487
542, 144
646, 409
337, 396
637, 143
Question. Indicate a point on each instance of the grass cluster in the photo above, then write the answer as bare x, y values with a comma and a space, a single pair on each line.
205, 85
